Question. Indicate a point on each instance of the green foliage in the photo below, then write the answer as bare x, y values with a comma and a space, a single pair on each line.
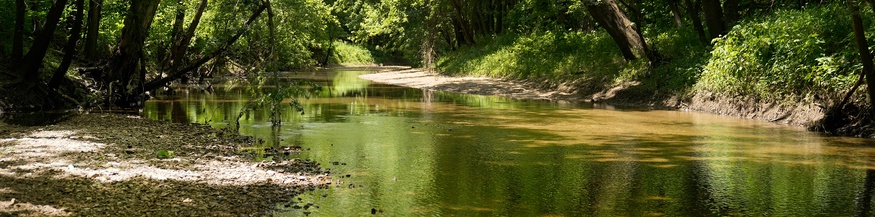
270, 91
390, 29
164, 154
556, 57
7, 23
789, 54
350, 54
591, 57
538, 15
684, 58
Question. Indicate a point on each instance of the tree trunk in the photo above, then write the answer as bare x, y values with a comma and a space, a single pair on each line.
463, 24
29, 68
70, 47
714, 18
676, 11
175, 36
693, 10
18, 34
863, 49
730, 13
91, 37
197, 63
865, 198
457, 32
612, 19
499, 19
181, 43
124, 75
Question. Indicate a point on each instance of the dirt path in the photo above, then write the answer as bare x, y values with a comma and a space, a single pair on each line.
419, 78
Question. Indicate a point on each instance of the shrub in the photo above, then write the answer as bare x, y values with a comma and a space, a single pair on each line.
346, 53
785, 56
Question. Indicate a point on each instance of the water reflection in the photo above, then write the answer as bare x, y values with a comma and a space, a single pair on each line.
416, 152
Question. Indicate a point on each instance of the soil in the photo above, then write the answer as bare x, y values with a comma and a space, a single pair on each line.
808, 114
123, 165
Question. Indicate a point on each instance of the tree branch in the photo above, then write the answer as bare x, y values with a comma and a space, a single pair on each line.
194, 65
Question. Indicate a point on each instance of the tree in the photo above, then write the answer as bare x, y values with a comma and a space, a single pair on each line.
609, 16
463, 30
158, 82
30, 65
70, 47
730, 13
18, 34
126, 72
182, 37
714, 18
863, 49
93, 33
693, 10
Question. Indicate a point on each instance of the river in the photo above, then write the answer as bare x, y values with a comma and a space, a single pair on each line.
397, 151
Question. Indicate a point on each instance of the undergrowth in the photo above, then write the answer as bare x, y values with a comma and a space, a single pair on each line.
783, 57
588, 59
786, 57
350, 54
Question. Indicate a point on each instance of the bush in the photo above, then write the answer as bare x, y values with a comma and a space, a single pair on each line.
345, 53
786, 56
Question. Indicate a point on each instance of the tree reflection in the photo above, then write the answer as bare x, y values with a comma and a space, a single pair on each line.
864, 202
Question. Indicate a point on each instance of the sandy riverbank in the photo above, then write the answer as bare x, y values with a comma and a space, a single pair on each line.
418, 78
120, 165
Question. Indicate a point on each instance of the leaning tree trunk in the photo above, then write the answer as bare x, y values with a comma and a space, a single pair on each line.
125, 75
863, 49
18, 33
30, 65
714, 18
70, 47
608, 15
91, 36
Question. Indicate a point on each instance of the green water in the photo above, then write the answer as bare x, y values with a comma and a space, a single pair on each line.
411, 152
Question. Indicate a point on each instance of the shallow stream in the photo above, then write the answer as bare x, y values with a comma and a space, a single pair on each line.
397, 151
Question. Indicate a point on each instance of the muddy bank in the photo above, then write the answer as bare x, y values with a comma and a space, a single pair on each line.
122, 165
798, 114
805, 114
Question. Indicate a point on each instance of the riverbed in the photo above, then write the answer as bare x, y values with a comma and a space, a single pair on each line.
400, 151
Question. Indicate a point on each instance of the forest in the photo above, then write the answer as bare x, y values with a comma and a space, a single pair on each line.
437, 107
117, 54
